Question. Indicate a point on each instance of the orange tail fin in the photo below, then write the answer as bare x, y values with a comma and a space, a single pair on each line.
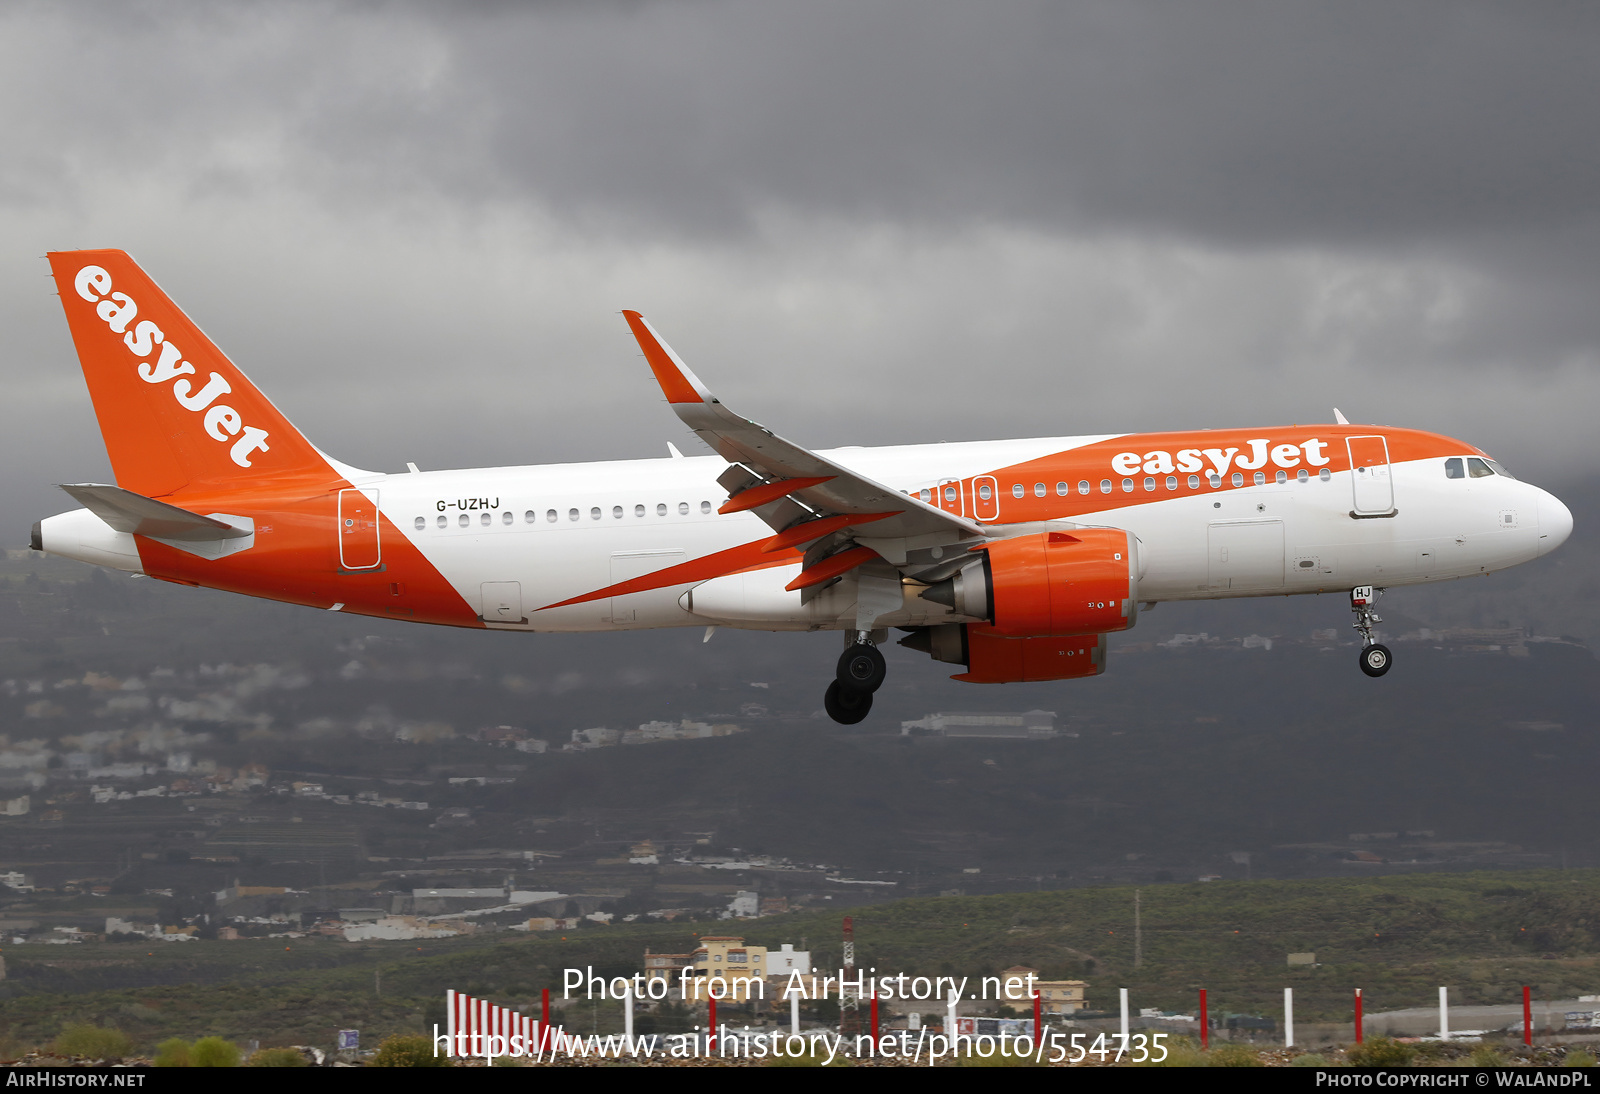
174, 411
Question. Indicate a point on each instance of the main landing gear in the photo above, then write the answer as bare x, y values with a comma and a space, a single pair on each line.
860, 673
1375, 656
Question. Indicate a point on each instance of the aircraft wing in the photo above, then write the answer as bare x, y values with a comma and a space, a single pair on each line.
783, 483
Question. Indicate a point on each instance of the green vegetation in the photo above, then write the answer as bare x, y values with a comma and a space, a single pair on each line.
1486, 1056
1380, 1052
173, 1052
408, 1051
1181, 1052
1579, 1058
1233, 1056
92, 1043
276, 1057
214, 1052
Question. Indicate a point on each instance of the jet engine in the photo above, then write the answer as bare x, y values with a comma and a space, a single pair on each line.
1051, 583
1047, 602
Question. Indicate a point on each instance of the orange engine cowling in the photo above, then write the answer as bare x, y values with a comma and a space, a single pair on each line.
1049, 584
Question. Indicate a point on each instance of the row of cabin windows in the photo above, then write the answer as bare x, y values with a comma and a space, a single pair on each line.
1128, 485
552, 516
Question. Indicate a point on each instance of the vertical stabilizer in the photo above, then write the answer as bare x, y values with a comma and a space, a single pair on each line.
174, 411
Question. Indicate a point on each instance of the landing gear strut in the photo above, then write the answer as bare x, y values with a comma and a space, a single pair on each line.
860, 673
1375, 656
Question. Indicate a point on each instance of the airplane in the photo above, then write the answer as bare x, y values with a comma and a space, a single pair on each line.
1011, 559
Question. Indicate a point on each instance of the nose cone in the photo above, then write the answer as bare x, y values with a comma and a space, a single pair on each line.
1555, 522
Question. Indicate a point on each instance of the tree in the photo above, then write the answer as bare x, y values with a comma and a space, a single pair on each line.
408, 1050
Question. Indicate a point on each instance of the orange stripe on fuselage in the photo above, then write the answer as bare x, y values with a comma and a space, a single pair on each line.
296, 559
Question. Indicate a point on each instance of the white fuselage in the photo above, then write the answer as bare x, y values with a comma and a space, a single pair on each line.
545, 534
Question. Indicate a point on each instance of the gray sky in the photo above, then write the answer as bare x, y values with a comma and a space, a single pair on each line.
414, 225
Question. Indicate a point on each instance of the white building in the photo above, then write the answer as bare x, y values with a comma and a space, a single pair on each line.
1025, 725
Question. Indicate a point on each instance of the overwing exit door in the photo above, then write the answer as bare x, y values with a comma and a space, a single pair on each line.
986, 498
948, 495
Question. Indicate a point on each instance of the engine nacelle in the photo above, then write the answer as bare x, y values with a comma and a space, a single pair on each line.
993, 658
1050, 583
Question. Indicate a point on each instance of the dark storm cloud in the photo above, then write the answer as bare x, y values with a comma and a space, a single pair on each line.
1233, 121
1236, 122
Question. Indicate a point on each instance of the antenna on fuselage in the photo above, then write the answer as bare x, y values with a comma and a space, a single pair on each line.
1338, 416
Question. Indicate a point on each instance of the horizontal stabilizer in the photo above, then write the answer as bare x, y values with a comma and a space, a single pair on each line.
126, 511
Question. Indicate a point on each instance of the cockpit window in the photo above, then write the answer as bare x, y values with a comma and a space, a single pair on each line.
1479, 469
1498, 470
1453, 468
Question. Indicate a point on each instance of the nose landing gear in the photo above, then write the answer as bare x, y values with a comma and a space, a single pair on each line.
1375, 656
860, 672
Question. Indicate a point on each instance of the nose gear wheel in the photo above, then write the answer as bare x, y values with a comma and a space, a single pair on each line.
1375, 656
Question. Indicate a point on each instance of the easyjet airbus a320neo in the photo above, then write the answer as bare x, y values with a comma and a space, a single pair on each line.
1012, 559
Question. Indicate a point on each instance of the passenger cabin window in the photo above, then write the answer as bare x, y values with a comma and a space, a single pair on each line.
1038, 490
507, 517
572, 514
1016, 490
949, 493
530, 516
1127, 486
1479, 469
705, 508
661, 508
1083, 486
1325, 475
464, 520
1453, 468
638, 510
1194, 482
683, 508
442, 521
421, 523
1282, 477
616, 512
1105, 486
927, 496
984, 492
485, 518
550, 515
594, 513
1172, 482
1238, 478
1149, 482
1261, 477
1302, 475
1063, 489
